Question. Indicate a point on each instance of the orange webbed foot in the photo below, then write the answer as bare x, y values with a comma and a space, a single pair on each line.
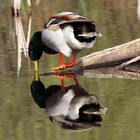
65, 65
62, 66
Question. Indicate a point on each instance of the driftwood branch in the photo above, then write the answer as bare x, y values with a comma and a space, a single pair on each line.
128, 62
112, 56
105, 63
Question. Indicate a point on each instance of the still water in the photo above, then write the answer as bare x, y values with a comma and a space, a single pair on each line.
21, 118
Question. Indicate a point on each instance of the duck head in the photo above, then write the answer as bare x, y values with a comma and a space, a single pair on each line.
37, 47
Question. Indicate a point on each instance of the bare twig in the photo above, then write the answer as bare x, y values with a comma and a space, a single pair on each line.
128, 62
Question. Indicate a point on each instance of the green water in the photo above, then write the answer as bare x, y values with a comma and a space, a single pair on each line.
22, 119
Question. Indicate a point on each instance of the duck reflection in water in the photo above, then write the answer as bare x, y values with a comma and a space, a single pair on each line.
72, 108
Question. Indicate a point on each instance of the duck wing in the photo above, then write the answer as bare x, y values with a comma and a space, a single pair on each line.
66, 17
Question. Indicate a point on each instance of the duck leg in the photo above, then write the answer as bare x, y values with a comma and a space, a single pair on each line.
61, 66
62, 84
71, 63
61, 77
64, 65
73, 76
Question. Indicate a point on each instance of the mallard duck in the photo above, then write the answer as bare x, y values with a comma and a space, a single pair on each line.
73, 105
73, 109
66, 33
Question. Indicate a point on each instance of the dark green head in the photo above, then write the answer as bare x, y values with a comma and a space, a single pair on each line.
38, 92
35, 46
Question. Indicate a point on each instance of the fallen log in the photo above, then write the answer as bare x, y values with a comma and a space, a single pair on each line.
111, 56
130, 72
111, 72
103, 63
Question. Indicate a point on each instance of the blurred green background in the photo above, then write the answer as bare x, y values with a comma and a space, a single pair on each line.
21, 118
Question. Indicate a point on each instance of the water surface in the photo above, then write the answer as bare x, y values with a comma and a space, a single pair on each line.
21, 118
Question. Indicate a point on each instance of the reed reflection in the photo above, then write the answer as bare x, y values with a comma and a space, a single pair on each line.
20, 37
72, 108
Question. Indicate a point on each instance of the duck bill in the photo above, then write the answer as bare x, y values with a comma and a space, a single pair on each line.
91, 34
99, 34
